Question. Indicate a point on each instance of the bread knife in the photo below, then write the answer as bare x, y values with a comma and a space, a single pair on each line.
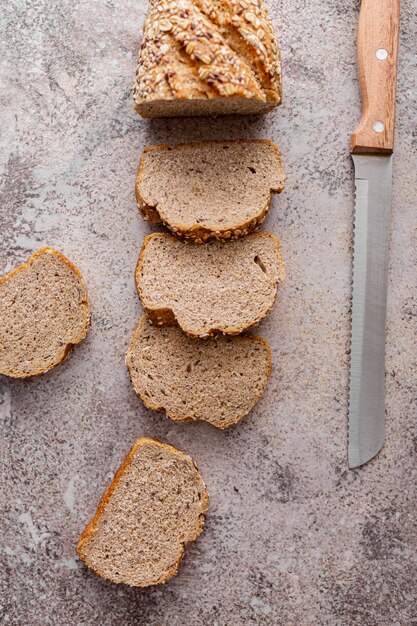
371, 147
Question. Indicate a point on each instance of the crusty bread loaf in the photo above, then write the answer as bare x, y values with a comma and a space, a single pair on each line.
209, 190
219, 287
207, 57
154, 506
44, 312
216, 380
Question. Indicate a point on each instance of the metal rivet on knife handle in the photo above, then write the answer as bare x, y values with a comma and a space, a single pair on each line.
381, 54
378, 127
377, 37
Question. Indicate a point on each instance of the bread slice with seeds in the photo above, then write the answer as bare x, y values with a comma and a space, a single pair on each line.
44, 312
216, 380
209, 190
155, 505
200, 57
219, 287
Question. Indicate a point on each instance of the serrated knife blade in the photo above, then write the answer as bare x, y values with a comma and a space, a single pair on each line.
371, 147
373, 180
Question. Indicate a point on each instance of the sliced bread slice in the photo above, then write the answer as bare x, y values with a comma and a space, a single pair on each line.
154, 506
209, 190
218, 287
44, 312
217, 380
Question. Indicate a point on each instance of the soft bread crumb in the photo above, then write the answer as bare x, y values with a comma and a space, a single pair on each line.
209, 190
222, 287
218, 380
44, 312
154, 506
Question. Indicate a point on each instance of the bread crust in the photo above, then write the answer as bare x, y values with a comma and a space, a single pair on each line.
166, 316
221, 57
93, 524
178, 418
197, 233
68, 348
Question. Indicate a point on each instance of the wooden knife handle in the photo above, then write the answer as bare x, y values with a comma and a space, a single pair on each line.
377, 68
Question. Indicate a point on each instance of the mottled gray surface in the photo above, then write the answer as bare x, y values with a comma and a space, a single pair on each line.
292, 537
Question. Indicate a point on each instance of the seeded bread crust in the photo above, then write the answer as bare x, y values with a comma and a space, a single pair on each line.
198, 233
93, 524
202, 57
166, 317
130, 363
66, 349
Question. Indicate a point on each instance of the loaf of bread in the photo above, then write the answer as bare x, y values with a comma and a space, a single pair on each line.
44, 312
207, 57
209, 190
154, 506
221, 287
216, 380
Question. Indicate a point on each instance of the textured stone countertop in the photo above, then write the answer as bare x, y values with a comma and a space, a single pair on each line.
292, 538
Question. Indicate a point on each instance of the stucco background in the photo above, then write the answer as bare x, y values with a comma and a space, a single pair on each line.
292, 536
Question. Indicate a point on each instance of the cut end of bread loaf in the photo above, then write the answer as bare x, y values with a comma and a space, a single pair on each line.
208, 107
221, 287
205, 58
155, 505
44, 312
216, 380
209, 190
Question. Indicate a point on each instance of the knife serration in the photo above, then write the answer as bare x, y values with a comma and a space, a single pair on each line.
373, 179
